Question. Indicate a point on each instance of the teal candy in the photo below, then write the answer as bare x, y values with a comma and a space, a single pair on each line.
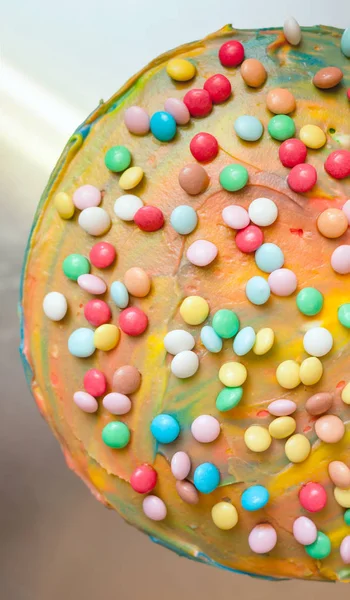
321, 548
163, 126
228, 398
254, 498
117, 159
347, 517
257, 290
244, 341
116, 434
206, 478
248, 128
344, 315
233, 177
310, 301
269, 257
210, 339
225, 323
120, 294
345, 43
281, 127
184, 219
81, 342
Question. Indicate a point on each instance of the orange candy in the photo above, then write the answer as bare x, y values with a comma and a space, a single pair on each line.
137, 282
339, 473
280, 101
253, 72
332, 223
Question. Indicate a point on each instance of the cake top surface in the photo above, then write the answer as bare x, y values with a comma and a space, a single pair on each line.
185, 301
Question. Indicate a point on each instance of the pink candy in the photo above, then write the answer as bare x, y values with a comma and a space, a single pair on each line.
282, 282
235, 216
92, 284
178, 110
136, 120
201, 253
154, 508
340, 260
86, 196
345, 550
117, 404
346, 210
304, 531
262, 538
205, 429
86, 402
281, 408
180, 465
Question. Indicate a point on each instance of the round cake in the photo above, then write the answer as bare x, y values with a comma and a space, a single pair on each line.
185, 301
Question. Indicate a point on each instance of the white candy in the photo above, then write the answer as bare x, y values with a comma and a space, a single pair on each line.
292, 31
263, 212
55, 306
94, 220
127, 206
185, 364
318, 341
178, 340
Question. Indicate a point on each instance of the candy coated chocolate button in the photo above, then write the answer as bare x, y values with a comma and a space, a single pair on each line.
253, 72
337, 164
330, 429
319, 403
143, 479
332, 223
339, 473
327, 78
187, 492
126, 380
137, 281
193, 179
280, 101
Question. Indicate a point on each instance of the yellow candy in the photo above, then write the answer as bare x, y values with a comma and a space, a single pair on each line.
288, 374
342, 497
257, 438
233, 374
312, 136
64, 205
131, 178
106, 337
194, 310
345, 395
264, 341
311, 370
224, 515
180, 69
282, 427
297, 448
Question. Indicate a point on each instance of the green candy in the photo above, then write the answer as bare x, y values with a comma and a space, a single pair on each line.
344, 315
321, 548
117, 159
233, 177
116, 434
347, 516
75, 265
225, 323
309, 301
281, 127
229, 398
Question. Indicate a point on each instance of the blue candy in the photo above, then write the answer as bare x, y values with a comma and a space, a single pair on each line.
254, 498
120, 294
81, 342
210, 339
163, 126
257, 290
345, 42
244, 341
248, 128
206, 478
269, 257
184, 219
165, 428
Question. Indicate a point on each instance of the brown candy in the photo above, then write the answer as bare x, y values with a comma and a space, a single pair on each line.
327, 78
332, 223
126, 380
280, 101
253, 72
187, 492
319, 403
193, 179
339, 473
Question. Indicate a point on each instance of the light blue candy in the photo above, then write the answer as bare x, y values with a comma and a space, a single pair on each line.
163, 126
206, 478
244, 341
255, 497
210, 339
248, 128
345, 42
165, 428
184, 219
120, 294
257, 290
269, 257
81, 342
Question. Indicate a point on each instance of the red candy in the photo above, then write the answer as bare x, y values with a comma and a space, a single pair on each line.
302, 178
102, 255
337, 164
133, 321
143, 479
97, 312
313, 497
198, 103
348, 94
204, 147
95, 382
292, 152
149, 218
218, 87
249, 239
231, 53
